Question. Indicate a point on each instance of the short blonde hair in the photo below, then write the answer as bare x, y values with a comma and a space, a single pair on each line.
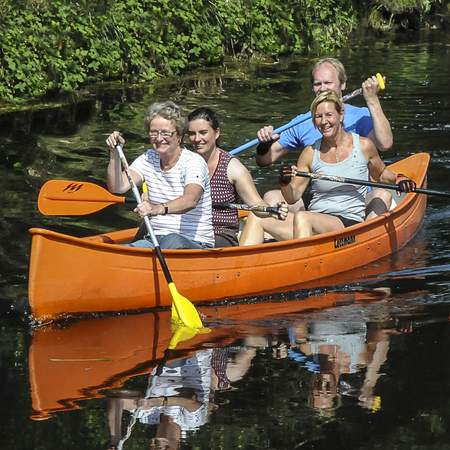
338, 66
167, 110
327, 96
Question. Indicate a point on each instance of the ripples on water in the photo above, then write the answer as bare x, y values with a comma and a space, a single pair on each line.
370, 371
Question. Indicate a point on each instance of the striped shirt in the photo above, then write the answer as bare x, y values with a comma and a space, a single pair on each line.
164, 186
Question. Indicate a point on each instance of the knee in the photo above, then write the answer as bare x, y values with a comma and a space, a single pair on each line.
379, 194
140, 243
300, 217
173, 241
384, 195
273, 197
379, 202
301, 226
252, 219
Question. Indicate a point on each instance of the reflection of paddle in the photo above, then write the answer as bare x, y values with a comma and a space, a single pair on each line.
303, 118
183, 311
395, 187
180, 334
78, 198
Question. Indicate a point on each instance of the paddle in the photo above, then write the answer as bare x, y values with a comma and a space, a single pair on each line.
183, 311
180, 334
303, 118
395, 187
77, 198
243, 207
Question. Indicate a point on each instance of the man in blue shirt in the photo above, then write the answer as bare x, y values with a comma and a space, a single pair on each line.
329, 74
370, 121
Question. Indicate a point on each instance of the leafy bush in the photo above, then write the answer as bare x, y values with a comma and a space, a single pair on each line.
394, 14
53, 46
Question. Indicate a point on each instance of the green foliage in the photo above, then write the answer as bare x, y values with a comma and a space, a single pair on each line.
53, 46
388, 14
327, 22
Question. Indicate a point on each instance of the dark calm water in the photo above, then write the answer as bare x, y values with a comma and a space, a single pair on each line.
370, 371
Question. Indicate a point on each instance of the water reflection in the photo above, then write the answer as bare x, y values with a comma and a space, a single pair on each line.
99, 354
180, 394
335, 355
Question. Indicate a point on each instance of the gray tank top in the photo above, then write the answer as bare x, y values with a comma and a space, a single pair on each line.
329, 197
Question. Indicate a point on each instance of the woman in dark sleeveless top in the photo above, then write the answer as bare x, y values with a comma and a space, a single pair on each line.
229, 178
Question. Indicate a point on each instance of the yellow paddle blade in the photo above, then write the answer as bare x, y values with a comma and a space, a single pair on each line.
380, 80
180, 334
183, 311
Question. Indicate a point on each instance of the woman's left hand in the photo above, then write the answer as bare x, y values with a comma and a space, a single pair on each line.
146, 208
282, 211
404, 183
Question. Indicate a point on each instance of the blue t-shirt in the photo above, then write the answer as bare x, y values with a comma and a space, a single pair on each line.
356, 120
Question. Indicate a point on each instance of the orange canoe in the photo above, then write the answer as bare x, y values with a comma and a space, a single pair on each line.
70, 275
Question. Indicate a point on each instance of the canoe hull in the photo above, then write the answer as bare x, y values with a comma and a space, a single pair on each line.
71, 275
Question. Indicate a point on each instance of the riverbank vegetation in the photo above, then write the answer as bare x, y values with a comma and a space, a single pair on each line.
48, 47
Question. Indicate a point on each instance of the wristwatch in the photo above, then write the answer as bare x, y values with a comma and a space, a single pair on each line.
166, 208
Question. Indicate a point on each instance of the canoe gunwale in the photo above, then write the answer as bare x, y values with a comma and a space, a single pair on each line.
359, 228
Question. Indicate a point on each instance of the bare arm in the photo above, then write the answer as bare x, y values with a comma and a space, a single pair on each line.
240, 177
381, 134
189, 200
377, 169
269, 149
116, 179
295, 189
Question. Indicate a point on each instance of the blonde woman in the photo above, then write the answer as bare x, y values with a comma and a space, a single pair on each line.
334, 206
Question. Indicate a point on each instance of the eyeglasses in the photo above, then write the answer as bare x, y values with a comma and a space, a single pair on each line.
163, 133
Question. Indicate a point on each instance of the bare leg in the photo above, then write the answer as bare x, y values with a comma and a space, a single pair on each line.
168, 433
275, 196
114, 415
378, 201
307, 223
255, 227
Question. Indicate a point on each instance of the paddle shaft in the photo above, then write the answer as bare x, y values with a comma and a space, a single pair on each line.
148, 225
72, 198
243, 207
304, 118
183, 311
395, 187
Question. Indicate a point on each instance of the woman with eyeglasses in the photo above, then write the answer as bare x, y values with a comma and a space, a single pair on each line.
179, 197
230, 180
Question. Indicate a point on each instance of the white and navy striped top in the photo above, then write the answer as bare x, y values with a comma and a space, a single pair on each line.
164, 186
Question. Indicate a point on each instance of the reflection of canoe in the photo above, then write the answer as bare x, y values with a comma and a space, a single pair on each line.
73, 275
81, 361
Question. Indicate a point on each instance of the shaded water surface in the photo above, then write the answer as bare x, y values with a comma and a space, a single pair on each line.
368, 371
